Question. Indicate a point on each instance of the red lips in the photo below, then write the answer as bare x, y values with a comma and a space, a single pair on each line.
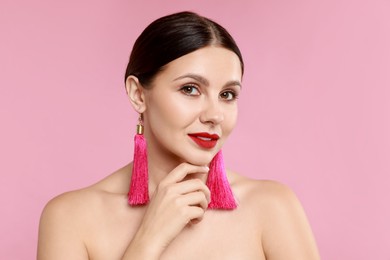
205, 140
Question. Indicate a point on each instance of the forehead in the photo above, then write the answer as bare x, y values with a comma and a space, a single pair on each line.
213, 63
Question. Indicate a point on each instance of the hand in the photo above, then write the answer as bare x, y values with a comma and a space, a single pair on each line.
174, 204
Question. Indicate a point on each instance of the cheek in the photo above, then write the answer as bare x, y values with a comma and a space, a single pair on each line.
230, 120
171, 112
231, 126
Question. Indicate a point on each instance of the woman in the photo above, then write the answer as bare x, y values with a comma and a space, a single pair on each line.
183, 78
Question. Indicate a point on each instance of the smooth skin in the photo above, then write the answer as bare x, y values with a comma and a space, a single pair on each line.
194, 93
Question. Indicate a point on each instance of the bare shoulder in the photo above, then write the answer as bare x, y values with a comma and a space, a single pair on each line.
262, 193
267, 198
67, 219
285, 230
81, 203
70, 204
61, 228
77, 201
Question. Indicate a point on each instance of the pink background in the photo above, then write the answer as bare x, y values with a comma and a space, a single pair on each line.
314, 111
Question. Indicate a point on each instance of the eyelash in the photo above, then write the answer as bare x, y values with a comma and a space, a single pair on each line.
233, 93
192, 87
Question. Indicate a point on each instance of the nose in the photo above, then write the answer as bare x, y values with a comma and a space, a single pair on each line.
212, 113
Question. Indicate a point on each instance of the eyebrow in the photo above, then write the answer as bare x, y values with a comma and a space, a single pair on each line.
205, 82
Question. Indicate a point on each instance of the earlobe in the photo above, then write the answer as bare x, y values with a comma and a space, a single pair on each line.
135, 92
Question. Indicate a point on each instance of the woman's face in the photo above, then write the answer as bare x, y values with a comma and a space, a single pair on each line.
191, 107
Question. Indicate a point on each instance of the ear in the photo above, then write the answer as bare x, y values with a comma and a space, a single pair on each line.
135, 92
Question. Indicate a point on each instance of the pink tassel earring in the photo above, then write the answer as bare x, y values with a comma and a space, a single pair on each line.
221, 194
139, 192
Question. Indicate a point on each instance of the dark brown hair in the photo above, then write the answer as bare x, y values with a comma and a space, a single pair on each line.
171, 37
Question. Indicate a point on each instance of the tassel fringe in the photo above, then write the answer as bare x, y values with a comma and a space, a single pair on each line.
139, 191
221, 194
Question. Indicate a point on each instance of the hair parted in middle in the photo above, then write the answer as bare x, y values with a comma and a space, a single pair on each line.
171, 37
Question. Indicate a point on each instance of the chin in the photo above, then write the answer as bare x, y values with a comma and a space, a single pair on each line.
200, 159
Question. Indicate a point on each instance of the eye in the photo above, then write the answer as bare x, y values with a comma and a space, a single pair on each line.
190, 90
229, 95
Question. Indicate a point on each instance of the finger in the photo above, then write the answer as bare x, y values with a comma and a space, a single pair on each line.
195, 214
197, 198
192, 185
181, 171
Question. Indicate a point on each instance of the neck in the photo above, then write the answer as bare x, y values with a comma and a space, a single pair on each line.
159, 166
161, 163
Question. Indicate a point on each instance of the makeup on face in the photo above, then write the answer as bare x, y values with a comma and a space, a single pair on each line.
192, 106
205, 140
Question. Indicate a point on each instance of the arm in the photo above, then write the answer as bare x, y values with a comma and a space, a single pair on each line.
287, 234
174, 204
